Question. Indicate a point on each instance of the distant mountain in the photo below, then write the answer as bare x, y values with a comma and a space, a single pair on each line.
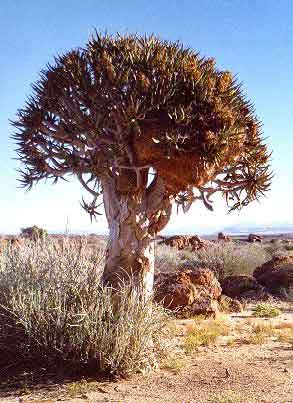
275, 228
237, 229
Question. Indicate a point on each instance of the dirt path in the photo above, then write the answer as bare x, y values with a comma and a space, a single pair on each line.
260, 373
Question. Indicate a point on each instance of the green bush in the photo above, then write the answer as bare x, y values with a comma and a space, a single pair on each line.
54, 310
34, 233
266, 311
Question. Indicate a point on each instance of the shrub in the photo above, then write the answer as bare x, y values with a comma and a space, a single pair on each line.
34, 233
54, 310
266, 311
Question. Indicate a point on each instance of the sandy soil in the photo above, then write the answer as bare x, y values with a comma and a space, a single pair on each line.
260, 373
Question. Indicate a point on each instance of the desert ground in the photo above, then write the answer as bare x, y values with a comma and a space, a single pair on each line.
234, 368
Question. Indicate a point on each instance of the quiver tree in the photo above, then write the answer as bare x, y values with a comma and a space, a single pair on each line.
143, 123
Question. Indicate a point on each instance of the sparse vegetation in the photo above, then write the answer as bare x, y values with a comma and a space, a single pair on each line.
227, 258
224, 258
266, 311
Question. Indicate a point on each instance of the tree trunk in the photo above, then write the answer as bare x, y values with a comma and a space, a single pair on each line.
133, 225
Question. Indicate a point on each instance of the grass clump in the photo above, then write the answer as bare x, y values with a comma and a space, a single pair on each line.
285, 332
80, 388
174, 363
205, 332
266, 311
227, 397
55, 311
259, 333
286, 337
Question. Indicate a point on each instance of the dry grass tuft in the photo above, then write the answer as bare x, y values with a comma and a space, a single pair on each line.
175, 363
228, 397
80, 388
205, 332
285, 335
259, 333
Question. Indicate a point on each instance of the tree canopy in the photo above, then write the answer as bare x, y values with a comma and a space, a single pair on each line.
123, 105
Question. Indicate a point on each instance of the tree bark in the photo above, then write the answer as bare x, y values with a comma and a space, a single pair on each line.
134, 221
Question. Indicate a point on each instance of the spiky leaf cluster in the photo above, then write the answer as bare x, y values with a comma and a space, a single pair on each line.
127, 104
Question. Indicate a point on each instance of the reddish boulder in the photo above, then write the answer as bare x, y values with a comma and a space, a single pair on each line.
184, 241
196, 243
254, 238
177, 241
188, 292
242, 287
223, 237
276, 275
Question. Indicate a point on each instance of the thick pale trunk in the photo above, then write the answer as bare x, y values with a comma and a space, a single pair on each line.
132, 228
130, 251
129, 257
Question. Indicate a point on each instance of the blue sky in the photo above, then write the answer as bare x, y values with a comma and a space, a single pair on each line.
251, 38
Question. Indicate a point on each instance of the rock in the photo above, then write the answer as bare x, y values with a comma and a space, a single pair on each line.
177, 241
223, 237
184, 241
188, 292
196, 243
230, 305
254, 238
276, 275
242, 286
